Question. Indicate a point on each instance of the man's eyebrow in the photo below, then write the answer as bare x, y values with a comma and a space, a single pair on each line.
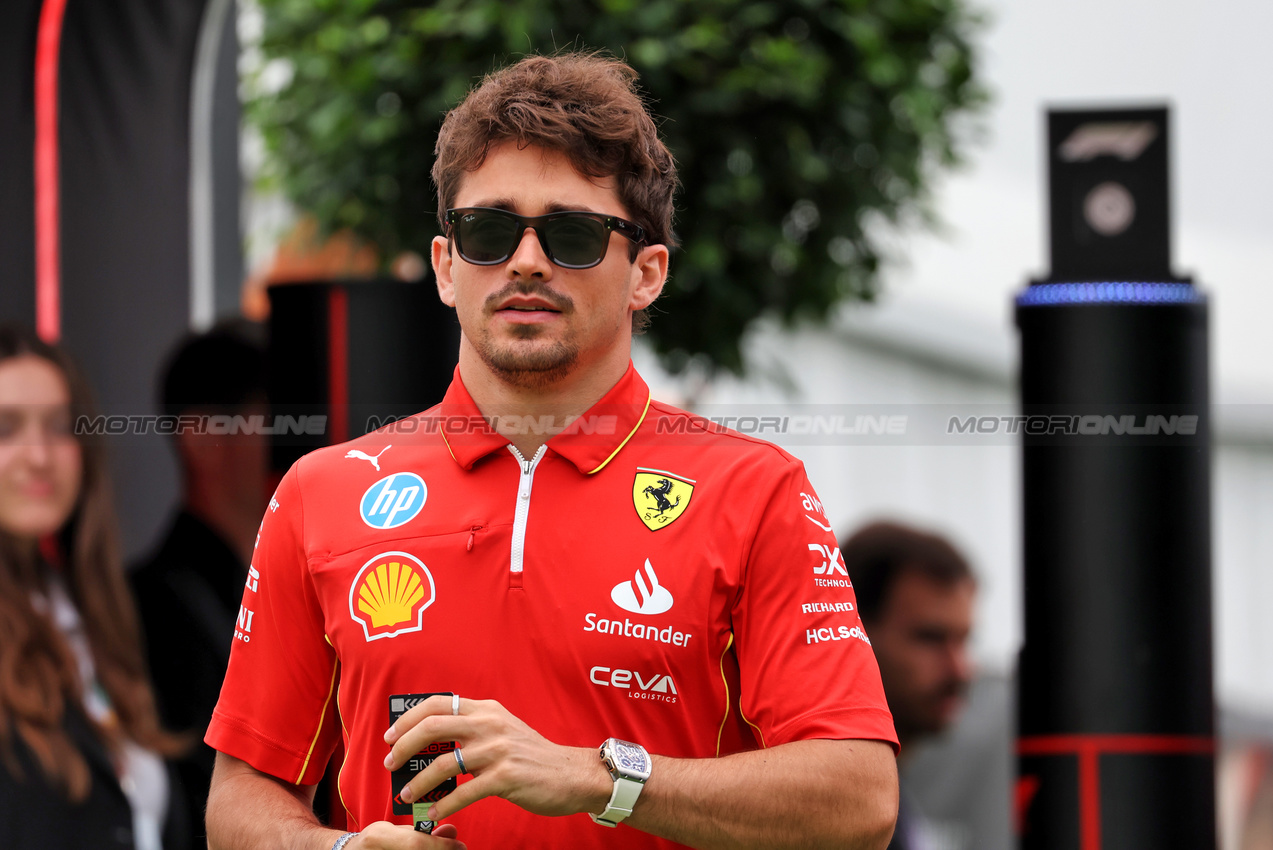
555, 207
510, 205
497, 204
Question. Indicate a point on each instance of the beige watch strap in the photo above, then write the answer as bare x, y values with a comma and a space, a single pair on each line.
622, 799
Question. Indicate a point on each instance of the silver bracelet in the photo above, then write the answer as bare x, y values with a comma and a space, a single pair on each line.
343, 840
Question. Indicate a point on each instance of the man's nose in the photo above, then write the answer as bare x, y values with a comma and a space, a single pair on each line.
960, 662
529, 259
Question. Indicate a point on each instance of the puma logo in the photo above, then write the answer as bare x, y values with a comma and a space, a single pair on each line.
374, 461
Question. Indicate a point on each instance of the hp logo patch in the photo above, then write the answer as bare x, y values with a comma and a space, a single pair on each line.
393, 500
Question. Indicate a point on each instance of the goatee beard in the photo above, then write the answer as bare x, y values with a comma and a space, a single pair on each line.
536, 368
530, 370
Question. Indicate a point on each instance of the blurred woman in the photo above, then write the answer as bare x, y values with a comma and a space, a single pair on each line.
80, 742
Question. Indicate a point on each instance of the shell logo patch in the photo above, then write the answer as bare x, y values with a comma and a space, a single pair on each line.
389, 594
660, 497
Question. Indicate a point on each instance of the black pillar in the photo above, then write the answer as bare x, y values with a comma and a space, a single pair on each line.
1115, 711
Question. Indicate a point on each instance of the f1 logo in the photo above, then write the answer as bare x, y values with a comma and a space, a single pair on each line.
831, 561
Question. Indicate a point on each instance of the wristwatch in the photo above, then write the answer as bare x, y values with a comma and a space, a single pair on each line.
629, 765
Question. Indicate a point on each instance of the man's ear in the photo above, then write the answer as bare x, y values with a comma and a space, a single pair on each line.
442, 260
650, 273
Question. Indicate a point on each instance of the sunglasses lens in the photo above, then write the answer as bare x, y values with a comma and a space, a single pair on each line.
576, 240
485, 237
488, 237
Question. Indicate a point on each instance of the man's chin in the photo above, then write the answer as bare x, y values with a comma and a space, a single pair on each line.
934, 719
530, 367
946, 715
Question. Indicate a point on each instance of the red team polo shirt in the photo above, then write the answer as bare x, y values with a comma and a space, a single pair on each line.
647, 575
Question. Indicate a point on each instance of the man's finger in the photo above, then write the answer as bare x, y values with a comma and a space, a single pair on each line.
383, 835
440, 769
467, 794
446, 830
439, 704
429, 730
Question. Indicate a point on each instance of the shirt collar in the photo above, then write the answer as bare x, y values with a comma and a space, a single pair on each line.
590, 442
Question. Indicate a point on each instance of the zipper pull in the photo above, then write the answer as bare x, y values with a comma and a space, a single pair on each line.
472, 534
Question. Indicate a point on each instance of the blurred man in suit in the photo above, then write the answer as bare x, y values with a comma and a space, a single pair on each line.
915, 594
189, 588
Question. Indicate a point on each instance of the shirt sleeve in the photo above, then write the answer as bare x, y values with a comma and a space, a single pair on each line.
806, 665
277, 709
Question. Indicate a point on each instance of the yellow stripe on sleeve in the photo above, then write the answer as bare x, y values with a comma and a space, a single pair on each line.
330, 691
725, 682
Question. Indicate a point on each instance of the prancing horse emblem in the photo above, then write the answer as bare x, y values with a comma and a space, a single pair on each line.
660, 497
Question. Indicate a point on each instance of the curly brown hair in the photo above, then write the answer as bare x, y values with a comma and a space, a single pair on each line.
584, 105
39, 675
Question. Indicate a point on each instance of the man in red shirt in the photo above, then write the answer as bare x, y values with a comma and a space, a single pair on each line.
563, 562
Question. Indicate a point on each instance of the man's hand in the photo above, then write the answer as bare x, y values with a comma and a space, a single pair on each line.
815, 793
383, 835
250, 810
507, 758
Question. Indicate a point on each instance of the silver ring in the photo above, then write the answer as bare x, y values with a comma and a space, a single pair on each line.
459, 759
455, 703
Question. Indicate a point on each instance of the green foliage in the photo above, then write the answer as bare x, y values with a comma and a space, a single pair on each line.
795, 123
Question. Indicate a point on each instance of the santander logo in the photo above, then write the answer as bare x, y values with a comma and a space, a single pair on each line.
644, 594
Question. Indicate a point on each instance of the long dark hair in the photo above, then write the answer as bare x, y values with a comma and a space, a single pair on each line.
39, 676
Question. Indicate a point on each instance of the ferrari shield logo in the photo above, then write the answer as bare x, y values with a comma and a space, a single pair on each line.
660, 497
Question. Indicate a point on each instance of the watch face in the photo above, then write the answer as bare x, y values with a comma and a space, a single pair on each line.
630, 758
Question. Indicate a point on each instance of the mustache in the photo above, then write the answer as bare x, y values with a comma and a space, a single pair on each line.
951, 688
558, 301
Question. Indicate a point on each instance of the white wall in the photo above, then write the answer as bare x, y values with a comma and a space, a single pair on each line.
1213, 66
943, 331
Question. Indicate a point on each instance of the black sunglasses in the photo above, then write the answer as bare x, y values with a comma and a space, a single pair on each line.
573, 240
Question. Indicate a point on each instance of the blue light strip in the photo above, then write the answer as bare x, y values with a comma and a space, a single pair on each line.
1055, 294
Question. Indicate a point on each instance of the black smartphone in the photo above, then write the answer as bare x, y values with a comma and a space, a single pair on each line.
400, 704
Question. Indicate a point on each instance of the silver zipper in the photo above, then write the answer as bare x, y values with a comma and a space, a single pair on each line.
523, 505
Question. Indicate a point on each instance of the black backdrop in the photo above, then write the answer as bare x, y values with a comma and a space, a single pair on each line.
125, 94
